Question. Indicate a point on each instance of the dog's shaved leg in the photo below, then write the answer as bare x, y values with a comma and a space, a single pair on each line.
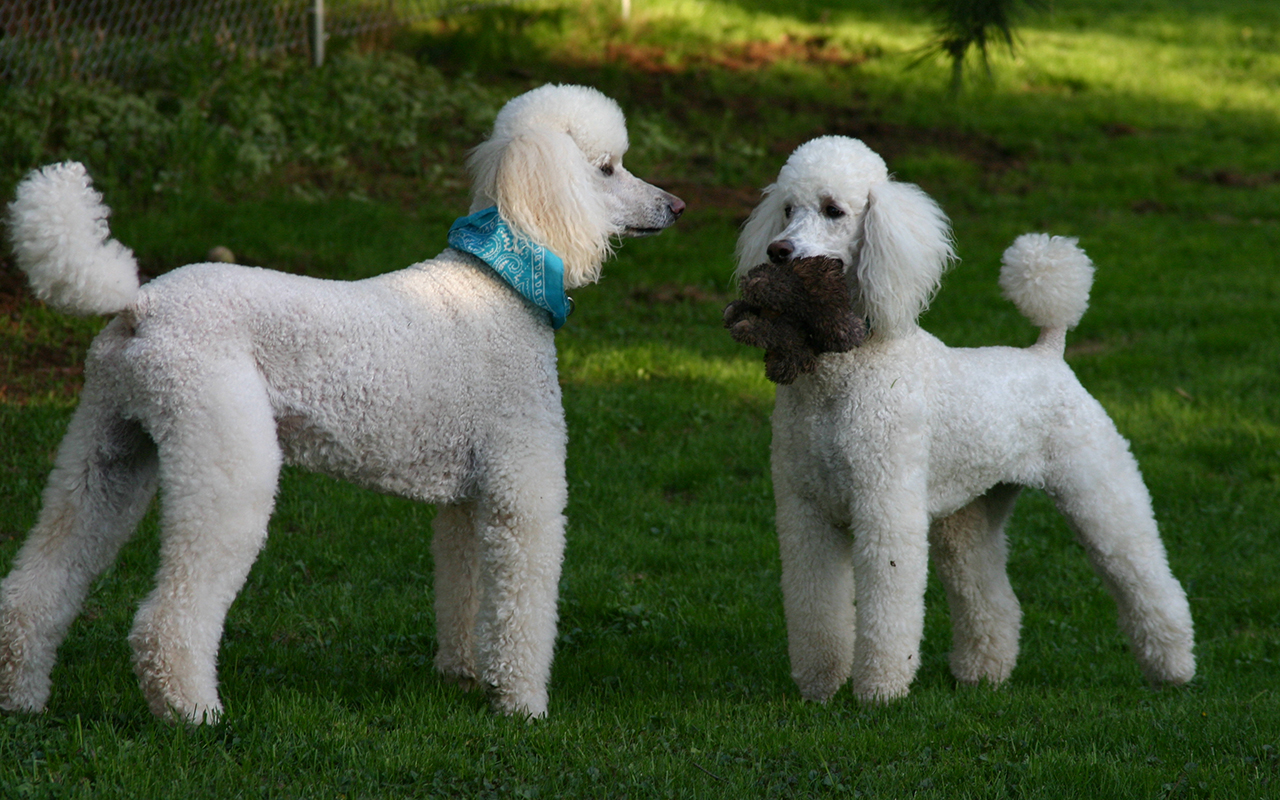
522, 546
102, 483
890, 567
970, 553
517, 622
817, 595
1100, 491
455, 549
219, 468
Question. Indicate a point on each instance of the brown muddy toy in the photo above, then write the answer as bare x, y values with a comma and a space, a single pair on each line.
796, 311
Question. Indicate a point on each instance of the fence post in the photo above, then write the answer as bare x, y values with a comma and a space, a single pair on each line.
316, 31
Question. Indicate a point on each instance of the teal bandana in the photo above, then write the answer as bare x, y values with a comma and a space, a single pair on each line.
532, 270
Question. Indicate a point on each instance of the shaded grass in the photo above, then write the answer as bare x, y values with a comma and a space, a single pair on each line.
1146, 129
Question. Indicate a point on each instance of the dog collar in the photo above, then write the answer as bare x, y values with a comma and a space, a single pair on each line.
530, 269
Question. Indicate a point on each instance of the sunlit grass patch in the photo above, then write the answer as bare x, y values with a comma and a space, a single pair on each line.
648, 361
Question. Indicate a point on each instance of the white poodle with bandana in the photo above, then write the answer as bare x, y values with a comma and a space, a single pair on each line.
437, 382
904, 447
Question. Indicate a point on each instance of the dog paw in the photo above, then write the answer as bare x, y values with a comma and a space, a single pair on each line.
532, 706
881, 685
12, 704
1172, 667
974, 669
819, 675
463, 679
881, 694
22, 694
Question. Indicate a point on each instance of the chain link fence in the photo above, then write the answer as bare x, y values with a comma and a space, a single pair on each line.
81, 39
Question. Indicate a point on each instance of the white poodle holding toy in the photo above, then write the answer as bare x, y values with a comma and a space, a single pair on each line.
437, 382
901, 446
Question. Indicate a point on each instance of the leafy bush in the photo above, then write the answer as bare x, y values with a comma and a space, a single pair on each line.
227, 125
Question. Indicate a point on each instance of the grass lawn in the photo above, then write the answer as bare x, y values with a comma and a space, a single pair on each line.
1151, 130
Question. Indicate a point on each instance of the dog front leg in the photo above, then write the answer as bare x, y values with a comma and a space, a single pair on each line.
890, 567
521, 549
817, 595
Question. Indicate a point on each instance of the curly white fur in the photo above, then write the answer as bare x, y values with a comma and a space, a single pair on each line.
1048, 278
437, 382
904, 447
59, 224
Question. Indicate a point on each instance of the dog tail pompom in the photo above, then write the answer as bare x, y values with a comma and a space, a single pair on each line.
1048, 278
58, 224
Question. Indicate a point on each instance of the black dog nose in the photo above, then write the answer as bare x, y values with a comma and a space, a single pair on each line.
781, 251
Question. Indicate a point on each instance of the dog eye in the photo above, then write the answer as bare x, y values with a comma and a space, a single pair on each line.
832, 211
607, 169
786, 211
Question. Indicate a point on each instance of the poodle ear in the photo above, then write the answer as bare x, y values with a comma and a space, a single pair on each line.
541, 183
760, 229
906, 246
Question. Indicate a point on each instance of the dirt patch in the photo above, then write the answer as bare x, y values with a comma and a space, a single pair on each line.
1240, 180
1232, 178
1149, 206
739, 57
1119, 130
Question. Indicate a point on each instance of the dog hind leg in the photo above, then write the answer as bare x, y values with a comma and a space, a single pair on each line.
1100, 491
455, 550
219, 467
970, 554
101, 485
